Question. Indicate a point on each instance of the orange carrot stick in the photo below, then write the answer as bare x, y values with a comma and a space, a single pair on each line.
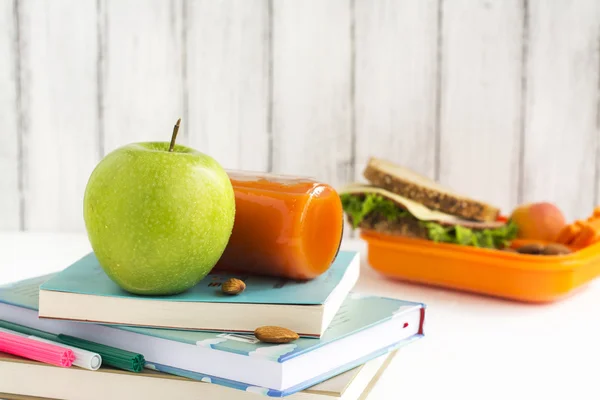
584, 237
568, 233
592, 233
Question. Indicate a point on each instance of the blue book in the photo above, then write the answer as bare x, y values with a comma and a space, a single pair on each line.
364, 328
83, 292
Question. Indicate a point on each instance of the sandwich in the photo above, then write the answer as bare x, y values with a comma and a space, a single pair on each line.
400, 202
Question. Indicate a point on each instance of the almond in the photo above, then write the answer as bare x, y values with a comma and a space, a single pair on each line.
533, 248
233, 286
556, 250
275, 334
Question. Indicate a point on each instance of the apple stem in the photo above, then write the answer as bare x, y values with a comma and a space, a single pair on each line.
174, 136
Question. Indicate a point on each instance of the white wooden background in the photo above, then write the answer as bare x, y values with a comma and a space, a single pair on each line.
497, 98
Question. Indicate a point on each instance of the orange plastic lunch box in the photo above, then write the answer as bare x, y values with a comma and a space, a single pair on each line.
515, 276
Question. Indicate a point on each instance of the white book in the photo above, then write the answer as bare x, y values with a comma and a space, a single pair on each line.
25, 379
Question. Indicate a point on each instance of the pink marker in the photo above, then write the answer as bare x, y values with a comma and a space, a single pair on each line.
35, 350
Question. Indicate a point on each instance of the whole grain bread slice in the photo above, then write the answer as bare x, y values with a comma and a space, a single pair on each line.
428, 192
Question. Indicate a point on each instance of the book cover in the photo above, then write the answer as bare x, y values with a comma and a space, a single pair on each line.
358, 312
86, 276
314, 384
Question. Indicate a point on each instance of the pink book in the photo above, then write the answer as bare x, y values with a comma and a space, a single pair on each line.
34, 350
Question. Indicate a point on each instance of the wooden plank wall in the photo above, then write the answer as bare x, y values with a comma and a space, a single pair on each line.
481, 95
11, 206
498, 99
562, 108
58, 110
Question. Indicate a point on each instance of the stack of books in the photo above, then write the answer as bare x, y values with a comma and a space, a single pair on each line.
201, 343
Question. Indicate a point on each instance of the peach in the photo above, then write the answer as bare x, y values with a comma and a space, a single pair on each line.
538, 221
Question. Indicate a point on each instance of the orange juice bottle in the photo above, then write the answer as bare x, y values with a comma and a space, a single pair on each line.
284, 226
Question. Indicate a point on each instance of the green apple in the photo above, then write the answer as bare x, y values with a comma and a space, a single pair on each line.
158, 216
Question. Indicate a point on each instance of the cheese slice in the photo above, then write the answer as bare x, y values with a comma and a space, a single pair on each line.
418, 210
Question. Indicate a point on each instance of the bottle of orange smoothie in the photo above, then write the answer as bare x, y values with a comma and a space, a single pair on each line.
284, 226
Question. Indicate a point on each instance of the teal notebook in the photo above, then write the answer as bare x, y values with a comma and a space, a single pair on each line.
83, 292
364, 327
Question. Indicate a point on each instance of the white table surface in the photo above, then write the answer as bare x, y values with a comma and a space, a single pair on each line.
475, 347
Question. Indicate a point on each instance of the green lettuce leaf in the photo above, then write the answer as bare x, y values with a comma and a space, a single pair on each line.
359, 207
